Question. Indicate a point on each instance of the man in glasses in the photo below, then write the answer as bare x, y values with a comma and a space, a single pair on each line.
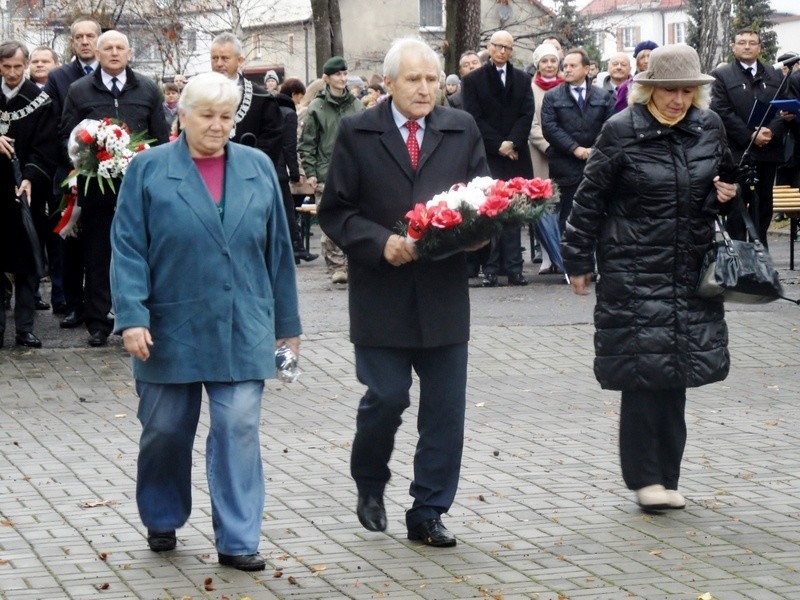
500, 99
739, 87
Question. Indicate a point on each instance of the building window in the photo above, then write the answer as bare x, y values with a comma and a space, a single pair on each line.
431, 14
680, 33
630, 37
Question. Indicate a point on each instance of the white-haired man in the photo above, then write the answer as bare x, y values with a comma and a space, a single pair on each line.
405, 315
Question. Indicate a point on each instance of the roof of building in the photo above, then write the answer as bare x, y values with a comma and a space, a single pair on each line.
602, 7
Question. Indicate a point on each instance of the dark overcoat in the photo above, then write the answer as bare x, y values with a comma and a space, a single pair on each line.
370, 187
645, 208
263, 120
732, 97
566, 127
502, 113
36, 146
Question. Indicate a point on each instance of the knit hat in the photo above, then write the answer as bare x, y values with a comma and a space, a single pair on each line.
333, 65
541, 51
674, 65
452, 80
645, 45
355, 81
271, 75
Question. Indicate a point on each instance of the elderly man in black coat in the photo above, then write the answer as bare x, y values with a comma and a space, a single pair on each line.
258, 119
740, 86
118, 92
405, 314
500, 98
27, 129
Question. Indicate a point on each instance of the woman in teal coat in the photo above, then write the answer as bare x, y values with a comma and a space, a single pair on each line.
204, 289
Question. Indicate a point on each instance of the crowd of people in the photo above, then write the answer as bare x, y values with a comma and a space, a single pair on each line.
191, 256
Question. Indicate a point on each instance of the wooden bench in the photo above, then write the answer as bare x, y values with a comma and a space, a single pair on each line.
786, 200
306, 212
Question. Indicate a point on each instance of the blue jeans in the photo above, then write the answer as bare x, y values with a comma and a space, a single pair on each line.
169, 414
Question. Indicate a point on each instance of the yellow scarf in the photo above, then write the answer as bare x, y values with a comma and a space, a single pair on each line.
661, 118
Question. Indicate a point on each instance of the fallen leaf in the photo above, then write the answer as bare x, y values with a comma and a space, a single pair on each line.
318, 568
277, 574
120, 416
103, 586
481, 498
102, 555
706, 596
745, 475
480, 404
209, 587
3, 561
292, 580
771, 423
655, 552
96, 502
7, 523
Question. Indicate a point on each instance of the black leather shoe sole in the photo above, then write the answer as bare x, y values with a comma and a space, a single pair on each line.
161, 541
244, 562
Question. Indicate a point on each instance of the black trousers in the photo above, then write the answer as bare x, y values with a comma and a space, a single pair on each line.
96, 237
505, 254
652, 437
566, 194
72, 273
761, 216
291, 214
442, 375
24, 306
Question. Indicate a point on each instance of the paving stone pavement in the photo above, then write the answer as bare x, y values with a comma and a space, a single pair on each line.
541, 512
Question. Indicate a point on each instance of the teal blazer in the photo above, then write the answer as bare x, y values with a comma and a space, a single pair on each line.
214, 294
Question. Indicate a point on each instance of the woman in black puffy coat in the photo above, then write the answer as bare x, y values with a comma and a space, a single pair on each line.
645, 211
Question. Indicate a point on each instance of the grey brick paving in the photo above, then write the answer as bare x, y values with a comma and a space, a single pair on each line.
541, 513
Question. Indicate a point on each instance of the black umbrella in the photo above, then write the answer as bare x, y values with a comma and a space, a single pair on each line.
27, 220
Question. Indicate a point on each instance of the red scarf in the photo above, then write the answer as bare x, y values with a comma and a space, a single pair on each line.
547, 85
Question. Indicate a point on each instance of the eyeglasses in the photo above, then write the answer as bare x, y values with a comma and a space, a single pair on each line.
502, 47
747, 43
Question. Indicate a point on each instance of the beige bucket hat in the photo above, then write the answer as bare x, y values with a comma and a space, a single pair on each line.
673, 65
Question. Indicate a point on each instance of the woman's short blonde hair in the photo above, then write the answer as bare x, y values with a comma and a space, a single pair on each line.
209, 89
641, 94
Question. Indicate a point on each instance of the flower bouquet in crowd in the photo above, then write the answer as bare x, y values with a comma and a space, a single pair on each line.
70, 211
468, 215
103, 150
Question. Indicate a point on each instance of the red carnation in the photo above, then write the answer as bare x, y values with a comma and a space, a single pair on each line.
85, 136
494, 205
444, 217
418, 221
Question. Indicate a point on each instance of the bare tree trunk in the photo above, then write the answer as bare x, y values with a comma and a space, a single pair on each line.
327, 31
463, 31
712, 20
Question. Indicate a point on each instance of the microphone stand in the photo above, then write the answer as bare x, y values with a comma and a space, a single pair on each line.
747, 164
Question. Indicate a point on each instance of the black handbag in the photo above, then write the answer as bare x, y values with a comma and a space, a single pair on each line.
737, 271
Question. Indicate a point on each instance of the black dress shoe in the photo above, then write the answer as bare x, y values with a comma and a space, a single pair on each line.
517, 279
72, 320
28, 340
307, 256
489, 281
60, 308
161, 541
243, 562
97, 339
371, 513
433, 533
41, 305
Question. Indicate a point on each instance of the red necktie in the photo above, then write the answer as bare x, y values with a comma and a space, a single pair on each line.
411, 142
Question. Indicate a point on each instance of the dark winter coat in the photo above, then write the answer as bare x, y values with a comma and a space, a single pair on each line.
264, 121
288, 169
503, 113
566, 127
139, 106
732, 97
646, 206
36, 146
370, 187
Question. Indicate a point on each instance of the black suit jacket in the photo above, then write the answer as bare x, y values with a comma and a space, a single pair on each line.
732, 97
369, 188
264, 121
502, 113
